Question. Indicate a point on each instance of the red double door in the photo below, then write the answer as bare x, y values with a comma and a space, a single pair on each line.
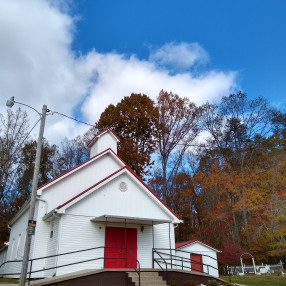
196, 262
117, 239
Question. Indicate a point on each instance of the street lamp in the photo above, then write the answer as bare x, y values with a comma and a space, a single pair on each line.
27, 247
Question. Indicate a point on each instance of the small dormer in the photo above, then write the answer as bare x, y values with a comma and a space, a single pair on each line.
102, 141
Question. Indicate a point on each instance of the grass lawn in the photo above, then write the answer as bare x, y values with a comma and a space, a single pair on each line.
9, 281
257, 280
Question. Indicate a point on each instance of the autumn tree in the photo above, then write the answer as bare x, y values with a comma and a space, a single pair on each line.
13, 135
69, 154
133, 120
278, 119
272, 171
177, 127
28, 157
236, 127
184, 201
230, 255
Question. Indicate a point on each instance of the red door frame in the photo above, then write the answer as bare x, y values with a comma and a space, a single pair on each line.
196, 258
117, 240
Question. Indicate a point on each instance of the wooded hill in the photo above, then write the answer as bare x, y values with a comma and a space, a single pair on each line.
220, 167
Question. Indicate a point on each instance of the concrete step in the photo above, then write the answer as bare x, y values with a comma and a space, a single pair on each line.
151, 283
147, 279
143, 273
143, 281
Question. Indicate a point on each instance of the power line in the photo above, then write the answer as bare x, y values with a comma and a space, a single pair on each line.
52, 112
30, 132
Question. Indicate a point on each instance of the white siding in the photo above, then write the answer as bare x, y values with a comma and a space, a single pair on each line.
40, 240
135, 202
199, 248
52, 249
3, 255
16, 244
104, 142
164, 237
79, 233
144, 246
79, 181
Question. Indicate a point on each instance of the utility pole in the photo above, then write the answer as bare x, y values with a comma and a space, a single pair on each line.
28, 241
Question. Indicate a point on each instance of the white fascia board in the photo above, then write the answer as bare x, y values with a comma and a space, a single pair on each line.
52, 215
208, 246
77, 168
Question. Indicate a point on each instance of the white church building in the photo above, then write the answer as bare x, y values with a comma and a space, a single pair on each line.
100, 214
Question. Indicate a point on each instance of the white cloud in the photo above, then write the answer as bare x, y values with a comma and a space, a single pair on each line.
182, 55
119, 77
38, 66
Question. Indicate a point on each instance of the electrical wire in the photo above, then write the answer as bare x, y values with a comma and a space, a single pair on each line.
30, 131
52, 112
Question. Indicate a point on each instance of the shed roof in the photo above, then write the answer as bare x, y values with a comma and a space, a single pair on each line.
128, 220
189, 242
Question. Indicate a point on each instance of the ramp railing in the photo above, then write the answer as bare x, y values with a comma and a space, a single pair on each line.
165, 257
33, 269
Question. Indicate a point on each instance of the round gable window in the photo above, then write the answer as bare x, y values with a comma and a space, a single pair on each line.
123, 186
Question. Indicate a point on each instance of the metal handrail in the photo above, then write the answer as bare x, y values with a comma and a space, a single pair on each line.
154, 250
189, 252
179, 258
137, 269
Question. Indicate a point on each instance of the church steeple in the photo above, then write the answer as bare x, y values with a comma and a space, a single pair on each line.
102, 141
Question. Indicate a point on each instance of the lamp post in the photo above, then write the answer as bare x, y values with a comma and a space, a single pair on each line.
31, 218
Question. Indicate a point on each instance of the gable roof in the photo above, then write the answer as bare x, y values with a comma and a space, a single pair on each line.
95, 138
189, 242
78, 167
125, 169
104, 180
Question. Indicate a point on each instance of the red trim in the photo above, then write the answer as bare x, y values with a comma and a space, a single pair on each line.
150, 190
129, 169
184, 243
142, 182
78, 195
90, 144
126, 166
76, 167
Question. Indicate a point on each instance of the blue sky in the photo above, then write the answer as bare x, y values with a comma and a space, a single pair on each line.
78, 56
248, 36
